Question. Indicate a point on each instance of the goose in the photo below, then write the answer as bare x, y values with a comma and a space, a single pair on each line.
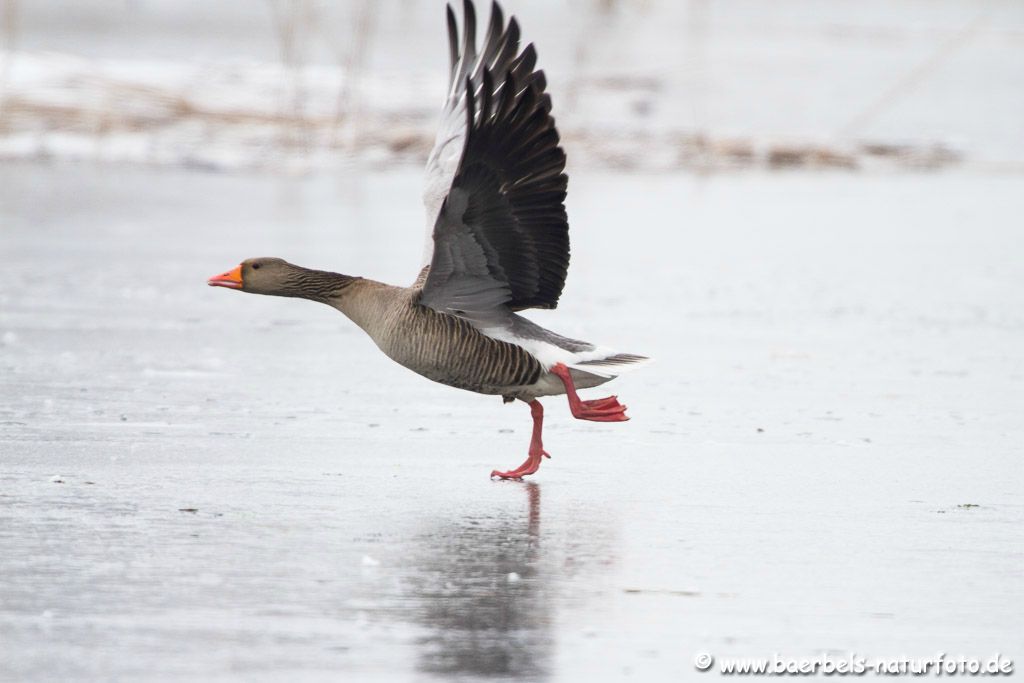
497, 243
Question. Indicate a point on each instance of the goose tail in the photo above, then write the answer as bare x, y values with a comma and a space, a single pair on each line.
612, 366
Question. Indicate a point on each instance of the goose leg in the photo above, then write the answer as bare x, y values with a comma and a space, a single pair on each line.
598, 410
537, 451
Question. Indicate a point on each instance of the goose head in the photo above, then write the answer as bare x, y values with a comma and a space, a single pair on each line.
265, 275
277, 277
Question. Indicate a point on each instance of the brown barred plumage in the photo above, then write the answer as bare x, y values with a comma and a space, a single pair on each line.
440, 346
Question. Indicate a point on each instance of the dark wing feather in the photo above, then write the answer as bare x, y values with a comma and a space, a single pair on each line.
501, 235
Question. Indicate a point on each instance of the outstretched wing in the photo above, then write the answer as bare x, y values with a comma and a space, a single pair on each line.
500, 232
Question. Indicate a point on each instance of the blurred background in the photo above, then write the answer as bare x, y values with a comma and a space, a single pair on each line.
288, 85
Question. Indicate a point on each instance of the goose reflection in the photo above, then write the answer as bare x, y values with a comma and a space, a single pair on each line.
485, 597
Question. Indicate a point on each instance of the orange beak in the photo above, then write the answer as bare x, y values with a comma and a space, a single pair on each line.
231, 279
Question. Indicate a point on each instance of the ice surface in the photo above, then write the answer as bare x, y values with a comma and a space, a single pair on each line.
827, 455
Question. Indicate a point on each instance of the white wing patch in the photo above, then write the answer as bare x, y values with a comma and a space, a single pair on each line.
550, 354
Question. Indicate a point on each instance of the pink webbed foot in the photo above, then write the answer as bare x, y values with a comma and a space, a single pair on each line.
536, 452
614, 412
597, 410
531, 465
598, 403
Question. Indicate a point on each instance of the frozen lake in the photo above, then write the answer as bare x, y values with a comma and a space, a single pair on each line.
199, 484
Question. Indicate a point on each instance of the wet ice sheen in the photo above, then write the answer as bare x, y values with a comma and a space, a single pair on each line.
249, 489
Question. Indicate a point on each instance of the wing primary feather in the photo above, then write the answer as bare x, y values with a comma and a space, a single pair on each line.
506, 52
485, 105
540, 82
453, 40
525, 63
508, 96
493, 41
469, 38
513, 31
470, 105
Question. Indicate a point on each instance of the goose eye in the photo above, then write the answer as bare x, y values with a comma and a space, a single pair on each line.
255, 266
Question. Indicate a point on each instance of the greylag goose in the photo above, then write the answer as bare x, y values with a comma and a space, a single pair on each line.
497, 243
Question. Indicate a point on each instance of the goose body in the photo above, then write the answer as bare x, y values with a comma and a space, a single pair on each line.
497, 243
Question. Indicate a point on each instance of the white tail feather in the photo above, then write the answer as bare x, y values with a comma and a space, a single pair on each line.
597, 360
612, 366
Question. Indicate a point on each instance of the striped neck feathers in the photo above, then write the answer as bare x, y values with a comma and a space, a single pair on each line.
286, 279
